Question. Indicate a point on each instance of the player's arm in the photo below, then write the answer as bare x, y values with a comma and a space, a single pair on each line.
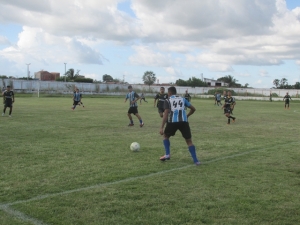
13, 97
192, 110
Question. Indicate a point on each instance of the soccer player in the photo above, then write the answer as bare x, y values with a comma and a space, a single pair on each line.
228, 106
133, 98
79, 103
76, 98
8, 100
218, 98
143, 98
176, 118
187, 96
215, 97
286, 100
161, 97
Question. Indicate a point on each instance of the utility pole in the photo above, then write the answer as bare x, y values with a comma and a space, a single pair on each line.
65, 71
28, 70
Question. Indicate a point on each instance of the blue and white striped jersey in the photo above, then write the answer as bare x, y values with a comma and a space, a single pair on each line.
77, 96
132, 96
176, 105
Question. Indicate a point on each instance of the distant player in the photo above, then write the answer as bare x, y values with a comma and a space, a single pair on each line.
80, 103
218, 98
228, 106
8, 100
187, 96
161, 97
76, 98
143, 98
176, 118
133, 98
215, 97
286, 100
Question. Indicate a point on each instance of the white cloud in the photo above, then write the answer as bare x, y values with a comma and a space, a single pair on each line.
36, 45
263, 73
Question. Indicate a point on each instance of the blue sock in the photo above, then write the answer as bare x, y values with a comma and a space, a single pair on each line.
141, 121
192, 150
131, 121
167, 146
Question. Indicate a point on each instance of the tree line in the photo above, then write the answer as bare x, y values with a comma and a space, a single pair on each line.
283, 84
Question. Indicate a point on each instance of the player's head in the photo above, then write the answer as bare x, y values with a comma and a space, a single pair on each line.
172, 91
224, 92
162, 90
77, 90
8, 87
229, 93
186, 91
287, 93
130, 88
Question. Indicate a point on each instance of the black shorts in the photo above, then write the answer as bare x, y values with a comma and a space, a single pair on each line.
184, 128
161, 110
76, 102
227, 110
287, 101
133, 110
218, 100
8, 104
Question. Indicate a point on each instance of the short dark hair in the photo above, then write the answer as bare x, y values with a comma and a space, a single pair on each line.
172, 90
162, 87
129, 86
7, 86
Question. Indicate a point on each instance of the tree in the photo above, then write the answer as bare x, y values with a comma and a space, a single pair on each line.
276, 83
283, 83
297, 85
107, 78
149, 78
230, 80
70, 74
195, 82
181, 82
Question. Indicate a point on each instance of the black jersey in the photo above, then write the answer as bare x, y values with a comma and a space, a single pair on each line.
187, 97
229, 101
287, 98
8, 96
161, 99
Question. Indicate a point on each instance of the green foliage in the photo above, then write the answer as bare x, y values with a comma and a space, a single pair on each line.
149, 78
191, 82
83, 80
107, 78
230, 80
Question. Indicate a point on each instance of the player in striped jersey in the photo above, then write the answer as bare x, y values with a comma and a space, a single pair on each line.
176, 118
133, 98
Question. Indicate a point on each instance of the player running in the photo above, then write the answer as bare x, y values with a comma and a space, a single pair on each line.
133, 98
161, 97
228, 106
143, 98
176, 118
76, 98
286, 100
8, 100
218, 98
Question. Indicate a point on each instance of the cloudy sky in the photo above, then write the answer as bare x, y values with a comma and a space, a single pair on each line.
256, 41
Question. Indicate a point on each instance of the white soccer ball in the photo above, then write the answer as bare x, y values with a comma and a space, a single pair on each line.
135, 146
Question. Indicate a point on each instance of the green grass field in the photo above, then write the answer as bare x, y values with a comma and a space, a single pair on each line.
63, 167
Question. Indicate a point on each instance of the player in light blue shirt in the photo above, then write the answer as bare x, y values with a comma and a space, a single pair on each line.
176, 118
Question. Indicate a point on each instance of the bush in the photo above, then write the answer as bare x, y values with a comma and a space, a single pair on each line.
220, 90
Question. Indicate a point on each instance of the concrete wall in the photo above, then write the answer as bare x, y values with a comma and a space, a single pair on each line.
32, 86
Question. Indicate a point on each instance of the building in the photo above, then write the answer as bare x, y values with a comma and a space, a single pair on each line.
214, 83
45, 75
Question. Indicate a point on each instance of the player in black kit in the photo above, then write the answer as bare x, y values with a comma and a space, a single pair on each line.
8, 100
228, 106
286, 100
161, 97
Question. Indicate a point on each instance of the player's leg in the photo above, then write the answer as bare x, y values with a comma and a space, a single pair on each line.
161, 111
140, 118
82, 104
169, 131
10, 111
186, 134
4, 109
130, 117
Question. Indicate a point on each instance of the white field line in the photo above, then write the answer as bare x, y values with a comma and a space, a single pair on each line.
21, 216
24, 217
